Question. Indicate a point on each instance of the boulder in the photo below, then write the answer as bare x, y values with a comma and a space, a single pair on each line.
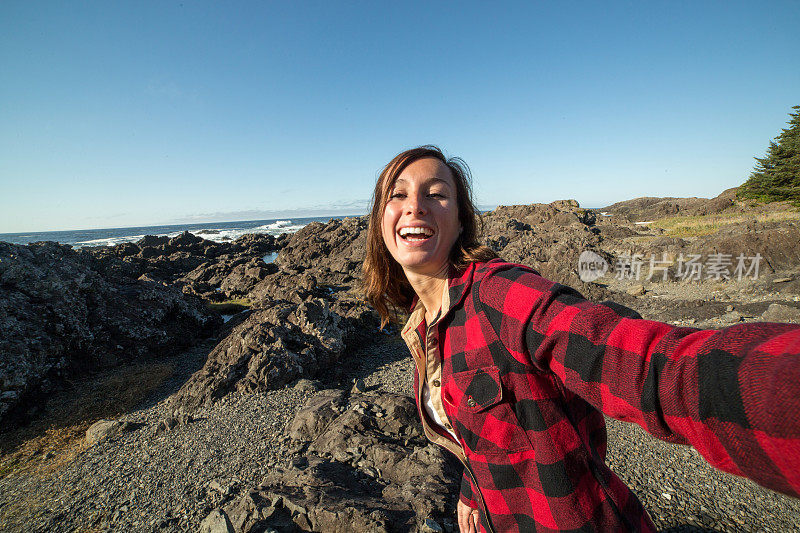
315, 416
781, 313
152, 241
216, 522
547, 237
636, 290
101, 430
338, 246
273, 346
369, 470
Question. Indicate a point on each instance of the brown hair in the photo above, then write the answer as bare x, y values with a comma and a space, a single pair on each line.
385, 285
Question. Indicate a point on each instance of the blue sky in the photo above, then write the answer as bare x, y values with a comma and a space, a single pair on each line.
132, 113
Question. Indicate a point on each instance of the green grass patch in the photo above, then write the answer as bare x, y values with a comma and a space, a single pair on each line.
230, 307
699, 225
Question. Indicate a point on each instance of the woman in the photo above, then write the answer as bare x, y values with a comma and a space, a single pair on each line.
514, 371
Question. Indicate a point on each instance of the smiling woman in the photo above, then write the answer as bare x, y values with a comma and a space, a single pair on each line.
420, 192
420, 221
515, 372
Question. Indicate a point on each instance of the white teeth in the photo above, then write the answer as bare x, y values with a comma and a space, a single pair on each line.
427, 232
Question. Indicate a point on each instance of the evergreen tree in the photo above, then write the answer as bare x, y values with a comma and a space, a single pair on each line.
776, 176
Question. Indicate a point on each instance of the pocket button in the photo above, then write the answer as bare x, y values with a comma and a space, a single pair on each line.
471, 402
436, 383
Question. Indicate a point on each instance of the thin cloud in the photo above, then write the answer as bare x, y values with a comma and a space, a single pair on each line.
352, 207
106, 217
360, 205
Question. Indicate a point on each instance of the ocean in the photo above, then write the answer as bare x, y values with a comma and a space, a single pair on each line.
213, 231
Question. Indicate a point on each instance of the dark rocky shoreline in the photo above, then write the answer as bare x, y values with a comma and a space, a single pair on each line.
355, 454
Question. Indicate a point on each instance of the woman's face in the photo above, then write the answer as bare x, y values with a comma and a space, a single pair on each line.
420, 220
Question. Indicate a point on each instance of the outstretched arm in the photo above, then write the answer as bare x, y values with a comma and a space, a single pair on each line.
733, 394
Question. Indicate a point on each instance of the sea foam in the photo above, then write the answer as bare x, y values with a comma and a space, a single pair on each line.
217, 231
211, 234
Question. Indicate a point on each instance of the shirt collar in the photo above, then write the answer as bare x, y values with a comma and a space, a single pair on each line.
458, 282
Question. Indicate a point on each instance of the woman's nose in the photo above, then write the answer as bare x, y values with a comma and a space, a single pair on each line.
414, 205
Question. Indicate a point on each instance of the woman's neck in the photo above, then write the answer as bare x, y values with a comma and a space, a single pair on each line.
429, 288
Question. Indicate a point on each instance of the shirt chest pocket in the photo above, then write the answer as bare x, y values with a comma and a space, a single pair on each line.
483, 417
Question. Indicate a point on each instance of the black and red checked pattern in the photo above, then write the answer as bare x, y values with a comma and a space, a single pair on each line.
528, 366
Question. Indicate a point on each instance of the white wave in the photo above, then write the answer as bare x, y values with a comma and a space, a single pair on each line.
107, 241
225, 235
211, 234
278, 224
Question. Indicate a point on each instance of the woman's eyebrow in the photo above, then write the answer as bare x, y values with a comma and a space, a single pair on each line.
398, 181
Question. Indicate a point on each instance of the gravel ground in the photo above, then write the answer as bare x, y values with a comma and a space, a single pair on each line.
142, 480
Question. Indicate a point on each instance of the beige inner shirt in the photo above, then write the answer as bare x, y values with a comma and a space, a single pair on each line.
429, 367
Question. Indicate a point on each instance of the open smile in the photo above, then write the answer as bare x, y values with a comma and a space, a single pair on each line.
415, 234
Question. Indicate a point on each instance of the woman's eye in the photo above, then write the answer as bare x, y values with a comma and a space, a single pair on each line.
397, 195
436, 195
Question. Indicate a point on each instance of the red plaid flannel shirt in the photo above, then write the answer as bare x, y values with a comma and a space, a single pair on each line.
528, 365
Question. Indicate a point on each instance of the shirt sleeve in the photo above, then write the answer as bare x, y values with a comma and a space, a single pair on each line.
733, 394
467, 494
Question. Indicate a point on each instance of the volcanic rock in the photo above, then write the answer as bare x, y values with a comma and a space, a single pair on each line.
270, 348
63, 312
370, 469
548, 238
185, 259
334, 251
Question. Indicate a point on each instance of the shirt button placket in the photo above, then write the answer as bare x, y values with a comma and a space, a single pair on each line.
433, 342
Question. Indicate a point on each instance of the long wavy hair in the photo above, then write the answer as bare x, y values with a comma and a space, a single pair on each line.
384, 282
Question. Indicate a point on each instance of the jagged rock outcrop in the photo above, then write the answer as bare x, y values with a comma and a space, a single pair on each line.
363, 468
547, 237
333, 251
652, 208
226, 278
64, 312
550, 237
649, 208
271, 347
775, 242
184, 259
306, 309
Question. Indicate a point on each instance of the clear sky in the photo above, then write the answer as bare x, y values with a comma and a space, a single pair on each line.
135, 113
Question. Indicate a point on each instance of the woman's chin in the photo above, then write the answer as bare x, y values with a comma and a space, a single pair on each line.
423, 266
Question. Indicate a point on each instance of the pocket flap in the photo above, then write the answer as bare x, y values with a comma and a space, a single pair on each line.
480, 388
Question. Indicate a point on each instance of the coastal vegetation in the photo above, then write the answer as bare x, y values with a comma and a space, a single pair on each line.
776, 176
699, 225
